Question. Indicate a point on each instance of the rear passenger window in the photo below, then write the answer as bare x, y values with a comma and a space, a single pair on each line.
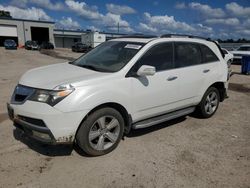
187, 54
159, 56
208, 54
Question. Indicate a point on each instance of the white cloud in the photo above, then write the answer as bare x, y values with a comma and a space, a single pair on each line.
48, 4
120, 9
26, 13
164, 23
19, 3
222, 21
246, 23
146, 28
167, 24
83, 10
180, 5
206, 10
202, 29
238, 10
111, 21
244, 32
93, 28
67, 23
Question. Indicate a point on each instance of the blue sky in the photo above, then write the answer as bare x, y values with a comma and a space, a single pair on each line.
215, 19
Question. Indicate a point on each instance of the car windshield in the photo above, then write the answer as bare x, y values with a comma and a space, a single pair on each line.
244, 48
34, 42
9, 42
110, 56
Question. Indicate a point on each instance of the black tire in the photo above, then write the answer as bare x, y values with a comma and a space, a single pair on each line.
202, 109
83, 134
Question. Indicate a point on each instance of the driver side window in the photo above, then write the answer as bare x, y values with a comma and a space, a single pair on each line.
159, 56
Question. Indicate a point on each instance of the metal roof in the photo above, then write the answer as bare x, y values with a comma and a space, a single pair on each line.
26, 20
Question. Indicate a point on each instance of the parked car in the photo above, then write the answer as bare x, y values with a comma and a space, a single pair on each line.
241, 51
80, 47
10, 44
46, 45
31, 45
122, 84
229, 57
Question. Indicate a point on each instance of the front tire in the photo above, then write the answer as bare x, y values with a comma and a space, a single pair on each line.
101, 132
209, 103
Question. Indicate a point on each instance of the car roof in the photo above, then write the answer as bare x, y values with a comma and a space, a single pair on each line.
173, 38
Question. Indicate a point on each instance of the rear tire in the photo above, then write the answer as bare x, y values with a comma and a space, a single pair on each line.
209, 103
101, 132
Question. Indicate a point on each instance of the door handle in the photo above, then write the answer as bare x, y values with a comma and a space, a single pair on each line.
206, 70
170, 78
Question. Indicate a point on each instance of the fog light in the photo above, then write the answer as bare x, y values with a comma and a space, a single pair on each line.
41, 135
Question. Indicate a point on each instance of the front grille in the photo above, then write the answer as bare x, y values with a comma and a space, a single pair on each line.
33, 121
21, 94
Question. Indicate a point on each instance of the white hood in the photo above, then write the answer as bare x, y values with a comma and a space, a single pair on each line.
48, 77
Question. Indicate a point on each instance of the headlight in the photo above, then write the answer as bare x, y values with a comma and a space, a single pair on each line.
52, 97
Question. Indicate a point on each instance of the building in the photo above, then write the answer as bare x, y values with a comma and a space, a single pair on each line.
22, 30
66, 38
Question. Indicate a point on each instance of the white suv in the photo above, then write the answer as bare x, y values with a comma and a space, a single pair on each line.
123, 84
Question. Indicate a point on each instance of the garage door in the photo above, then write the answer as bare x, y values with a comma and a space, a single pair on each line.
8, 31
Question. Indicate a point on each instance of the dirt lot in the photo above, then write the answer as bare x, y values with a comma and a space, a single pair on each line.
187, 152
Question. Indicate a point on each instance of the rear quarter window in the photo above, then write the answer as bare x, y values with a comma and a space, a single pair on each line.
207, 54
187, 54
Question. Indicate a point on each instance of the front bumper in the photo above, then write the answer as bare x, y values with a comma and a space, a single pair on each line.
45, 123
11, 47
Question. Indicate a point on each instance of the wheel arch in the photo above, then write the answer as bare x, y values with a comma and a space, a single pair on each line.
121, 109
221, 88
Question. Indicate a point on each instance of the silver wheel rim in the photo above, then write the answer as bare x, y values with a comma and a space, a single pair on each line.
211, 103
104, 133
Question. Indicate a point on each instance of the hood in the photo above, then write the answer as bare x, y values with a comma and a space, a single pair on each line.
48, 77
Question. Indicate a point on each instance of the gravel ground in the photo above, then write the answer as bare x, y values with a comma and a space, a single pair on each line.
186, 152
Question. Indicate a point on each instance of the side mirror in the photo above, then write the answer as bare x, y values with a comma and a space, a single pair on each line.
146, 70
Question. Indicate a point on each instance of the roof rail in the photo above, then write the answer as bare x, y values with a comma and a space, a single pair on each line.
183, 35
138, 36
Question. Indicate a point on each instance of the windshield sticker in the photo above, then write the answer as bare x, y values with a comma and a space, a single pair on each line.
133, 46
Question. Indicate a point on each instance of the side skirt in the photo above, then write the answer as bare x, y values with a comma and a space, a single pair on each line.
162, 118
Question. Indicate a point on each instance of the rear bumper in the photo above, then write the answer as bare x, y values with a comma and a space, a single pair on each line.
45, 123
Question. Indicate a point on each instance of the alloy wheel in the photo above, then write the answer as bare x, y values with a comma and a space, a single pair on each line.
211, 103
104, 133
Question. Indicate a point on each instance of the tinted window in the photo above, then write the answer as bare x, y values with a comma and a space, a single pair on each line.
187, 54
224, 51
208, 54
159, 56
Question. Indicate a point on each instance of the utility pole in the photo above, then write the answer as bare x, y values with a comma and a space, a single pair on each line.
63, 37
113, 27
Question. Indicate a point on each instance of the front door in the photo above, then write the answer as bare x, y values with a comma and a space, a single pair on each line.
157, 94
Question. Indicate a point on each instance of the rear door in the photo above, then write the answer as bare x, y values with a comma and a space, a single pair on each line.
194, 70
